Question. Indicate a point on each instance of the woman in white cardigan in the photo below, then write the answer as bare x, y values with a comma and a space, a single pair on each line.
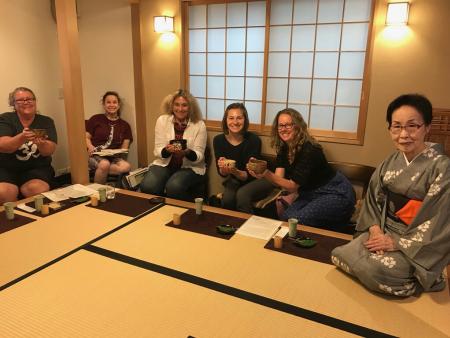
180, 141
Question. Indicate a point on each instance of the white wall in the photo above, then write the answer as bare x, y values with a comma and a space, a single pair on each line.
107, 58
30, 58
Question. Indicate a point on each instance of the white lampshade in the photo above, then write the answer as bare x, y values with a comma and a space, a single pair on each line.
397, 13
163, 24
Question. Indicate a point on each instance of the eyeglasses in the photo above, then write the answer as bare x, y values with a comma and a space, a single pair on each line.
287, 126
410, 128
26, 100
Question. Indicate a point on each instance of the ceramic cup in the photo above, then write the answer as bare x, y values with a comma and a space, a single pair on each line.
9, 210
198, 205
94, 200
278, 242
38, 201
176, 219
257, 166
45, 210
230, 163
102, 194
293, 227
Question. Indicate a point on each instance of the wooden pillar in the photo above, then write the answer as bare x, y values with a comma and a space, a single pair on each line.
69, 51
141, 115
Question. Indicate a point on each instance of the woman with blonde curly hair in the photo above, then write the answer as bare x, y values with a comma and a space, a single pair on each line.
180, 141
317, 195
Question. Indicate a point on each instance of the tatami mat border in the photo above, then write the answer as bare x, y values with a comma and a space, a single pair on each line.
17, 280
242, 294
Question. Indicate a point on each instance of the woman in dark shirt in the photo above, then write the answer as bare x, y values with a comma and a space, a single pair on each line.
239, 145
25, 155
319, 195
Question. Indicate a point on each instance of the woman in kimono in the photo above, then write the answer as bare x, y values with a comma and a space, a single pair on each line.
404, 227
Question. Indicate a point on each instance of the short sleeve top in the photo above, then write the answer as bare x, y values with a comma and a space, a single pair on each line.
27, 156
100, 128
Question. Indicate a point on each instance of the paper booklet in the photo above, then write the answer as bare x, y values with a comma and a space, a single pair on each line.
110, 152
72, 191
259, 227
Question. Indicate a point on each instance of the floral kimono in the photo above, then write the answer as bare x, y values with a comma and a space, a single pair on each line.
411, 203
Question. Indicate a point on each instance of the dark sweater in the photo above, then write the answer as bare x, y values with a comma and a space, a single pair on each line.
310, 168
249, 147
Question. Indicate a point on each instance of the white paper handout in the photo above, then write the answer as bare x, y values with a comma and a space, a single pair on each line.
282, 232
24, 207
259, 227
110, 152
72, 191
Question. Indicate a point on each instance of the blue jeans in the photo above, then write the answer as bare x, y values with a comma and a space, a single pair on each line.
177, 184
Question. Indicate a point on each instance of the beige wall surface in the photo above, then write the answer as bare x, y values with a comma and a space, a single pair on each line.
107, 58
30, 58
161, 60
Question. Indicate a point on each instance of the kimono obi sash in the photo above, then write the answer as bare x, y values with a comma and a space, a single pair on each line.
402, 209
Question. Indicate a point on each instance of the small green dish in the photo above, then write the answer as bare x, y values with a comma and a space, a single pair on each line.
80, 199
225, 229
305, 242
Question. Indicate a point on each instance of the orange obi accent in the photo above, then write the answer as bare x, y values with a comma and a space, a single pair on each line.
409, 211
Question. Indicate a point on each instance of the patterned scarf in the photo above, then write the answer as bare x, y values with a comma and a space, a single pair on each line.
177, 159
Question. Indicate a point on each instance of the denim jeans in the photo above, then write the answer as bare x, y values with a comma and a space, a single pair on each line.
177, 184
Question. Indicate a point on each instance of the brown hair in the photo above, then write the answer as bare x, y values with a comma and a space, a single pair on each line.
235, 105
300, 137
113, 93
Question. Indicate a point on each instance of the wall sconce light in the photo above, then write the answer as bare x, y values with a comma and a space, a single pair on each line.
163, 24
397, 13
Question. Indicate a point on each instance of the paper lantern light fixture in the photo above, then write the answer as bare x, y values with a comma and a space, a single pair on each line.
397, 13
163, 24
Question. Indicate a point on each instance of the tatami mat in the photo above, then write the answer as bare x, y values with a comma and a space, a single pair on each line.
242, 262
32, 245
87, 295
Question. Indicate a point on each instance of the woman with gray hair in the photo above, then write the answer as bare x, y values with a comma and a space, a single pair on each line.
180, 141
27, 142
